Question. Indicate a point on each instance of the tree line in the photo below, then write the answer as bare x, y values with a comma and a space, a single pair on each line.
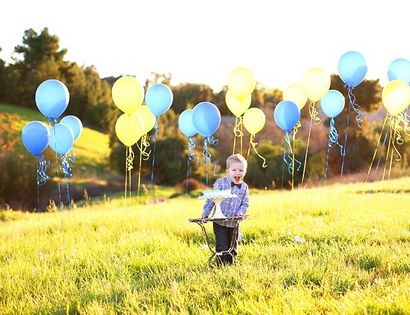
39, 57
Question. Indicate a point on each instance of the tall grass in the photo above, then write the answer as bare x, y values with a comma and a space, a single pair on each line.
339, 249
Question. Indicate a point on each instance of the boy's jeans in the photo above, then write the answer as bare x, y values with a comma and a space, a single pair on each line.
223, 236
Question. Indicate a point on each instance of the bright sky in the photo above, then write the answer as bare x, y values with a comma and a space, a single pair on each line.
201, 41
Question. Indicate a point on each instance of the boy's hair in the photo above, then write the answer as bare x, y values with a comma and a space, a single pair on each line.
236, 158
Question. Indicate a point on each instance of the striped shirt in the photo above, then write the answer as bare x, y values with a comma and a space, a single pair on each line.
231, 206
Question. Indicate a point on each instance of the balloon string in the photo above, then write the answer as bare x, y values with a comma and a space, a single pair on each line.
293, 156
334, 137
406, 121
207, 156
388, 149
66, 170
288, 156
154, 140
254, 144
237, 131
296, 129
126, 176
307, 150
342, 166
187, 175
143, 147
314, 113
393, 140
71, 156
376, 149
397, 137
191, 147
41, 170
356, 107
241, 138
140, 167
383, 145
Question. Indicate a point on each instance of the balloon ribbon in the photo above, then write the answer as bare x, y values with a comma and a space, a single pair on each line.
237, 131
207, 155
67, 172
253, 145
333, 140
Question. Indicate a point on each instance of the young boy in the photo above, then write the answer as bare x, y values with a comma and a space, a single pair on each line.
236, 166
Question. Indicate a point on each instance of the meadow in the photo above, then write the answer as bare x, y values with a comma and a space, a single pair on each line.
335, 249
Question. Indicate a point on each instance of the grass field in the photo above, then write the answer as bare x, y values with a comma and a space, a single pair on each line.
91, 149
340, 249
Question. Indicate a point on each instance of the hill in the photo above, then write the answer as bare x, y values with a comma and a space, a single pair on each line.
339, 249
91, 149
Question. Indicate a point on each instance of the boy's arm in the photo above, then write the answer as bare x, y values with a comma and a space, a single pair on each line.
245, 203
209, 204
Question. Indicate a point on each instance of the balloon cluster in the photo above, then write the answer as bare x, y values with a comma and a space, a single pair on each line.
137, 119
52, 99
203, 119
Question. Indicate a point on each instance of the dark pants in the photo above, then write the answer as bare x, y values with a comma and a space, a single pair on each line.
223, 237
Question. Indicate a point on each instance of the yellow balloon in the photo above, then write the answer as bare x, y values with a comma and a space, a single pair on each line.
254, 120
236, 106
295, 92
127, 94
241, 83
396, 96
129, 129
147, 117
316, 83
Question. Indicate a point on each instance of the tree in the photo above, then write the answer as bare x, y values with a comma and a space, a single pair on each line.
37, 59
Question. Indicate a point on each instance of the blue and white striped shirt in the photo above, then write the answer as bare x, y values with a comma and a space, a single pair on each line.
231, 206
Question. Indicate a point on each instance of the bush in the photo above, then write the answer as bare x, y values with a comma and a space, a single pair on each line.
18, 187
190, 184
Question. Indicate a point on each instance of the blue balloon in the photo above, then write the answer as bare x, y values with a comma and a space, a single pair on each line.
35, 136
352, 68
286, 115
52, 98
332, 103
159, 98
74, 123
206, 118
61, 138
399, 69
186, 124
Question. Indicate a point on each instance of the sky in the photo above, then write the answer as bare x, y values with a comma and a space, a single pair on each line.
202, 41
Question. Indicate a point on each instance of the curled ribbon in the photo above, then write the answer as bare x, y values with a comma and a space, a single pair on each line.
65, 165
41, 170
356, 107
314, 114
237, 130
288, 155
144, 147
254, 144
334, 137
130, 159
191, 147
71, 156
296, 129
397, 138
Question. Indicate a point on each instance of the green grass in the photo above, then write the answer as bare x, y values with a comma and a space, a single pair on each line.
91, 149
107, 258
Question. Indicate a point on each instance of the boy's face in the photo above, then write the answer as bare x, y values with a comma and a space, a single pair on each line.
236, 172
